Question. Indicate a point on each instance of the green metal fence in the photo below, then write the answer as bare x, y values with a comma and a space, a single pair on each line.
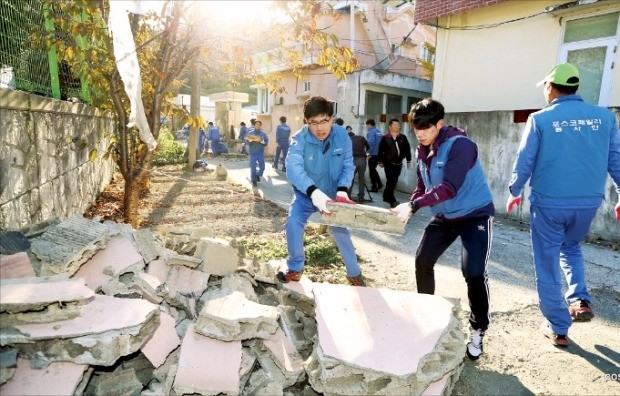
24, 67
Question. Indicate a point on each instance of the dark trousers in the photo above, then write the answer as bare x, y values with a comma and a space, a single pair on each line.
476, 235
392, 172
375, 180
360, 171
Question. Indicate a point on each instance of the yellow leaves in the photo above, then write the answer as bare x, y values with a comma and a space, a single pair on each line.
195, 121
92, 156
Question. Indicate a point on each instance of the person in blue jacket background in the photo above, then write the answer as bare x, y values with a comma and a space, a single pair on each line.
283, 134
257, 140
451, 182
320, 168
566, 151
243, 132
374, 137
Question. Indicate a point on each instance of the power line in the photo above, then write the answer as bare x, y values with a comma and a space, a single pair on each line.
490, 25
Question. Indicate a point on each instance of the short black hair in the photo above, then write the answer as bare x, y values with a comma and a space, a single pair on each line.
252, 121
565, 89
210, 123
282, 119
426, 113
339, 121
318, 105
393, 120
258, 121
370, 121
242, 123
348, 126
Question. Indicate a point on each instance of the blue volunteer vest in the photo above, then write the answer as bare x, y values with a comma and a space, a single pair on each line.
473, 194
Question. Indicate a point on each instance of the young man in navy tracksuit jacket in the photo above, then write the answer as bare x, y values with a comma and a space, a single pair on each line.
451, 182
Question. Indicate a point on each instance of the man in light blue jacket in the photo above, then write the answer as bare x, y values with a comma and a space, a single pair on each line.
320, 168
283, 134
566, 151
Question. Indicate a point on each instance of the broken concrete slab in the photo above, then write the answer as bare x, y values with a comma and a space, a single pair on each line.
219, 257
300, 328
63, 248
60, 378
116, 288
8, 363
241, 282
12, 242
208, 366
159, 269
248, 360
230, 316
148, 286
356, 353
261, 384
266, 271
15, 266
278, 356
145, 241
180, 259
163, 341
118, 382
187, 281
363, 217
445, 384
35, 294
106, 329
119, 256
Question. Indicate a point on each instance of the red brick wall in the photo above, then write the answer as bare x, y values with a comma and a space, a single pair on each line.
430, 9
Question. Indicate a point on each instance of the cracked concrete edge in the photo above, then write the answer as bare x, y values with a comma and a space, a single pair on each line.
329, 375
83, 349
49, 313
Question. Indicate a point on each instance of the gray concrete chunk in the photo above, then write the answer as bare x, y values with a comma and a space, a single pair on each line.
229, 316
63, 248
363, 217
219, 257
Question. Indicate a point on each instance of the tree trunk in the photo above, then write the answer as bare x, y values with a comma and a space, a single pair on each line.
131, 201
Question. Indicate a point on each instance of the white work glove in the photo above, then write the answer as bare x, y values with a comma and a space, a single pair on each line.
342, 196
319, 199
403, 211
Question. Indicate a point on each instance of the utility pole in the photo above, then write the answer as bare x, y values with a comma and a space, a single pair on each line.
194, 112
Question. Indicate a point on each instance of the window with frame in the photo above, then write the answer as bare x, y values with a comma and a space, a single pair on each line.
374, 103
590, 44
306, 86
394, 104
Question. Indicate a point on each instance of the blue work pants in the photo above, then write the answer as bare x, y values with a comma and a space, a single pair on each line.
281, 148
256, 159
299, 212
556, 243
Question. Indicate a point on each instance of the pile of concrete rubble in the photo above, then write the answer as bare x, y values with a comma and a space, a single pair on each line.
98, 308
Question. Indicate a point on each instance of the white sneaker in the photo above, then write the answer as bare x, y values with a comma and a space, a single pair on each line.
474, 349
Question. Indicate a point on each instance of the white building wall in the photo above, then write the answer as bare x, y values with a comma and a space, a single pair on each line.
497, 68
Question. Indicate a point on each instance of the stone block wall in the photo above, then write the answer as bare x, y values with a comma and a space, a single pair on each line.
45, 172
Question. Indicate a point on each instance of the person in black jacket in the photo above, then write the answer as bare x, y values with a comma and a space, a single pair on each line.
360, 147
393, 148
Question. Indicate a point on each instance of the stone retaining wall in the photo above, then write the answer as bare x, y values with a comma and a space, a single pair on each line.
45, 171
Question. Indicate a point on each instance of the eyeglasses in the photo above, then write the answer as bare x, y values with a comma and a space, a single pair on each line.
323, 122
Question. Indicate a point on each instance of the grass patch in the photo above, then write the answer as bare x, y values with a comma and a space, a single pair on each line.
323, 260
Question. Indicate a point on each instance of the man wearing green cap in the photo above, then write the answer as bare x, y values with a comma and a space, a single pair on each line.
566, 151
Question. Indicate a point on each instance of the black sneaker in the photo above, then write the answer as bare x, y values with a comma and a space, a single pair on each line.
474, 349
581, 311
284, 169
257, 178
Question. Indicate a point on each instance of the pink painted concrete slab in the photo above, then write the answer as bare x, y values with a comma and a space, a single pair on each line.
437, 387
284, 351
119, 254
15, 266
303, 287
187, 280
164, 340
383, 330
41, 293
207, 365
59, 378
102, 314
159, 269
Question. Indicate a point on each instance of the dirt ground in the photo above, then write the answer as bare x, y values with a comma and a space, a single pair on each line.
517, 360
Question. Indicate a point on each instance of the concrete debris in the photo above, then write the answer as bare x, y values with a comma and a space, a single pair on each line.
241, 282
363, 217
163, 341
180, 259
15, 266
161, 324
8, 363
148, 248
230, 316
219, 257
278, 357
63, 248
208, 376
60, 378
12, 242
106, 329
365, 319
120, 256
